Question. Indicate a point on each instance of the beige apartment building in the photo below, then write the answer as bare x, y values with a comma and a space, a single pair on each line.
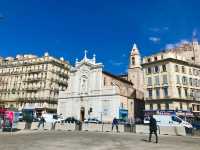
28, 81
172, 80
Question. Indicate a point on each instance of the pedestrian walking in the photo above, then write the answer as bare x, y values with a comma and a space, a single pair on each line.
42, 121
153, 128
115, 123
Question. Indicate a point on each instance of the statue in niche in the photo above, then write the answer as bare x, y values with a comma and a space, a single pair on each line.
84, 84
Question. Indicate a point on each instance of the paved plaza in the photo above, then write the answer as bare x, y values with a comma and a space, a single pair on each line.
68, 140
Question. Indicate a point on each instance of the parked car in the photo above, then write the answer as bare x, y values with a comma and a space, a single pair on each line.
92, 120
72, 120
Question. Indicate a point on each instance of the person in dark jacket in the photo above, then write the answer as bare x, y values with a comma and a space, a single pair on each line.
42, 121
153, 128
115, 123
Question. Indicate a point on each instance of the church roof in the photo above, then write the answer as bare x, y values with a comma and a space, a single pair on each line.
117, 77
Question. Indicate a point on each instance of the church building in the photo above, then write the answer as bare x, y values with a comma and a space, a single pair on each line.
95, 93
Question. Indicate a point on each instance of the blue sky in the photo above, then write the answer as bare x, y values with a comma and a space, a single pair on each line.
107, 28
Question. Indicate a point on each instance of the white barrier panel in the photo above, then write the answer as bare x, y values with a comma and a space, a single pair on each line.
108, 128
163, 130
142, 129
34, 125
92, 127
65, 126
21, 125
180, 131
70, 126
60, 126
47, 126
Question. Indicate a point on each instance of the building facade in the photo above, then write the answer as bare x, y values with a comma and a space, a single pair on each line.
29, 81
172, 81
94, 93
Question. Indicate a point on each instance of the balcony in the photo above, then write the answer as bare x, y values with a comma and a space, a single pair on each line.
32, 89
35, 71
33, 79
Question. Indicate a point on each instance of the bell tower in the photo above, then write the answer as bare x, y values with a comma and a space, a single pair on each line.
135, 73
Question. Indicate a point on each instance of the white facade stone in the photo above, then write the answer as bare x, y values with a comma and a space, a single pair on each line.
92, 88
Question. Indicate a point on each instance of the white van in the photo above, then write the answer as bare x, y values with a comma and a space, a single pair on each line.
170, 120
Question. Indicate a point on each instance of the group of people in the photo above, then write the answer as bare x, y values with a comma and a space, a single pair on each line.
115, 123
152, 127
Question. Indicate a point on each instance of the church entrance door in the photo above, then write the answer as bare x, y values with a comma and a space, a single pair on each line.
82, 114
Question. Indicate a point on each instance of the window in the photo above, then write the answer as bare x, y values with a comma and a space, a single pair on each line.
190, 71
164, 68
151, 106
150, 93
155, 58
149, 60
165, 79
167, 106
157, 92
149, 82
176, 68
158, 106
149, 70
194, 83
194, 72
181, 106
191, 92
183, 69
184, 80
198, 107
190, 82
178, 79
165, 91
104, 81
133, 60
198, 83
186, 92
157, 82
156, 69
179, 91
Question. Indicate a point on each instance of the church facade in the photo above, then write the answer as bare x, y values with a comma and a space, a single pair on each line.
94, 93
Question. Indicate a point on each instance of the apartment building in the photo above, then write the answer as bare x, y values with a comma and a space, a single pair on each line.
28, 81
172, 81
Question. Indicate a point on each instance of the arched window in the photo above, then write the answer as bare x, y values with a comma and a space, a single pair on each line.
133, 60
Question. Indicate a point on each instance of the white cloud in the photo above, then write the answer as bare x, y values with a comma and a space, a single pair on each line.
154, 29
194, 33
174, 45
154, 39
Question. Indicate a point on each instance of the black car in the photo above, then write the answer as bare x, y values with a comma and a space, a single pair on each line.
72, 120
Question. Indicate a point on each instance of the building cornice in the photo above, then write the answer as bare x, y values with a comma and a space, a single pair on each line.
171, 60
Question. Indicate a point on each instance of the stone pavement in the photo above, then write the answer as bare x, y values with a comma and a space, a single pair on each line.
68, 140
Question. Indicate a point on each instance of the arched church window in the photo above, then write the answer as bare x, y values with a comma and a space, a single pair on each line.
133, 60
